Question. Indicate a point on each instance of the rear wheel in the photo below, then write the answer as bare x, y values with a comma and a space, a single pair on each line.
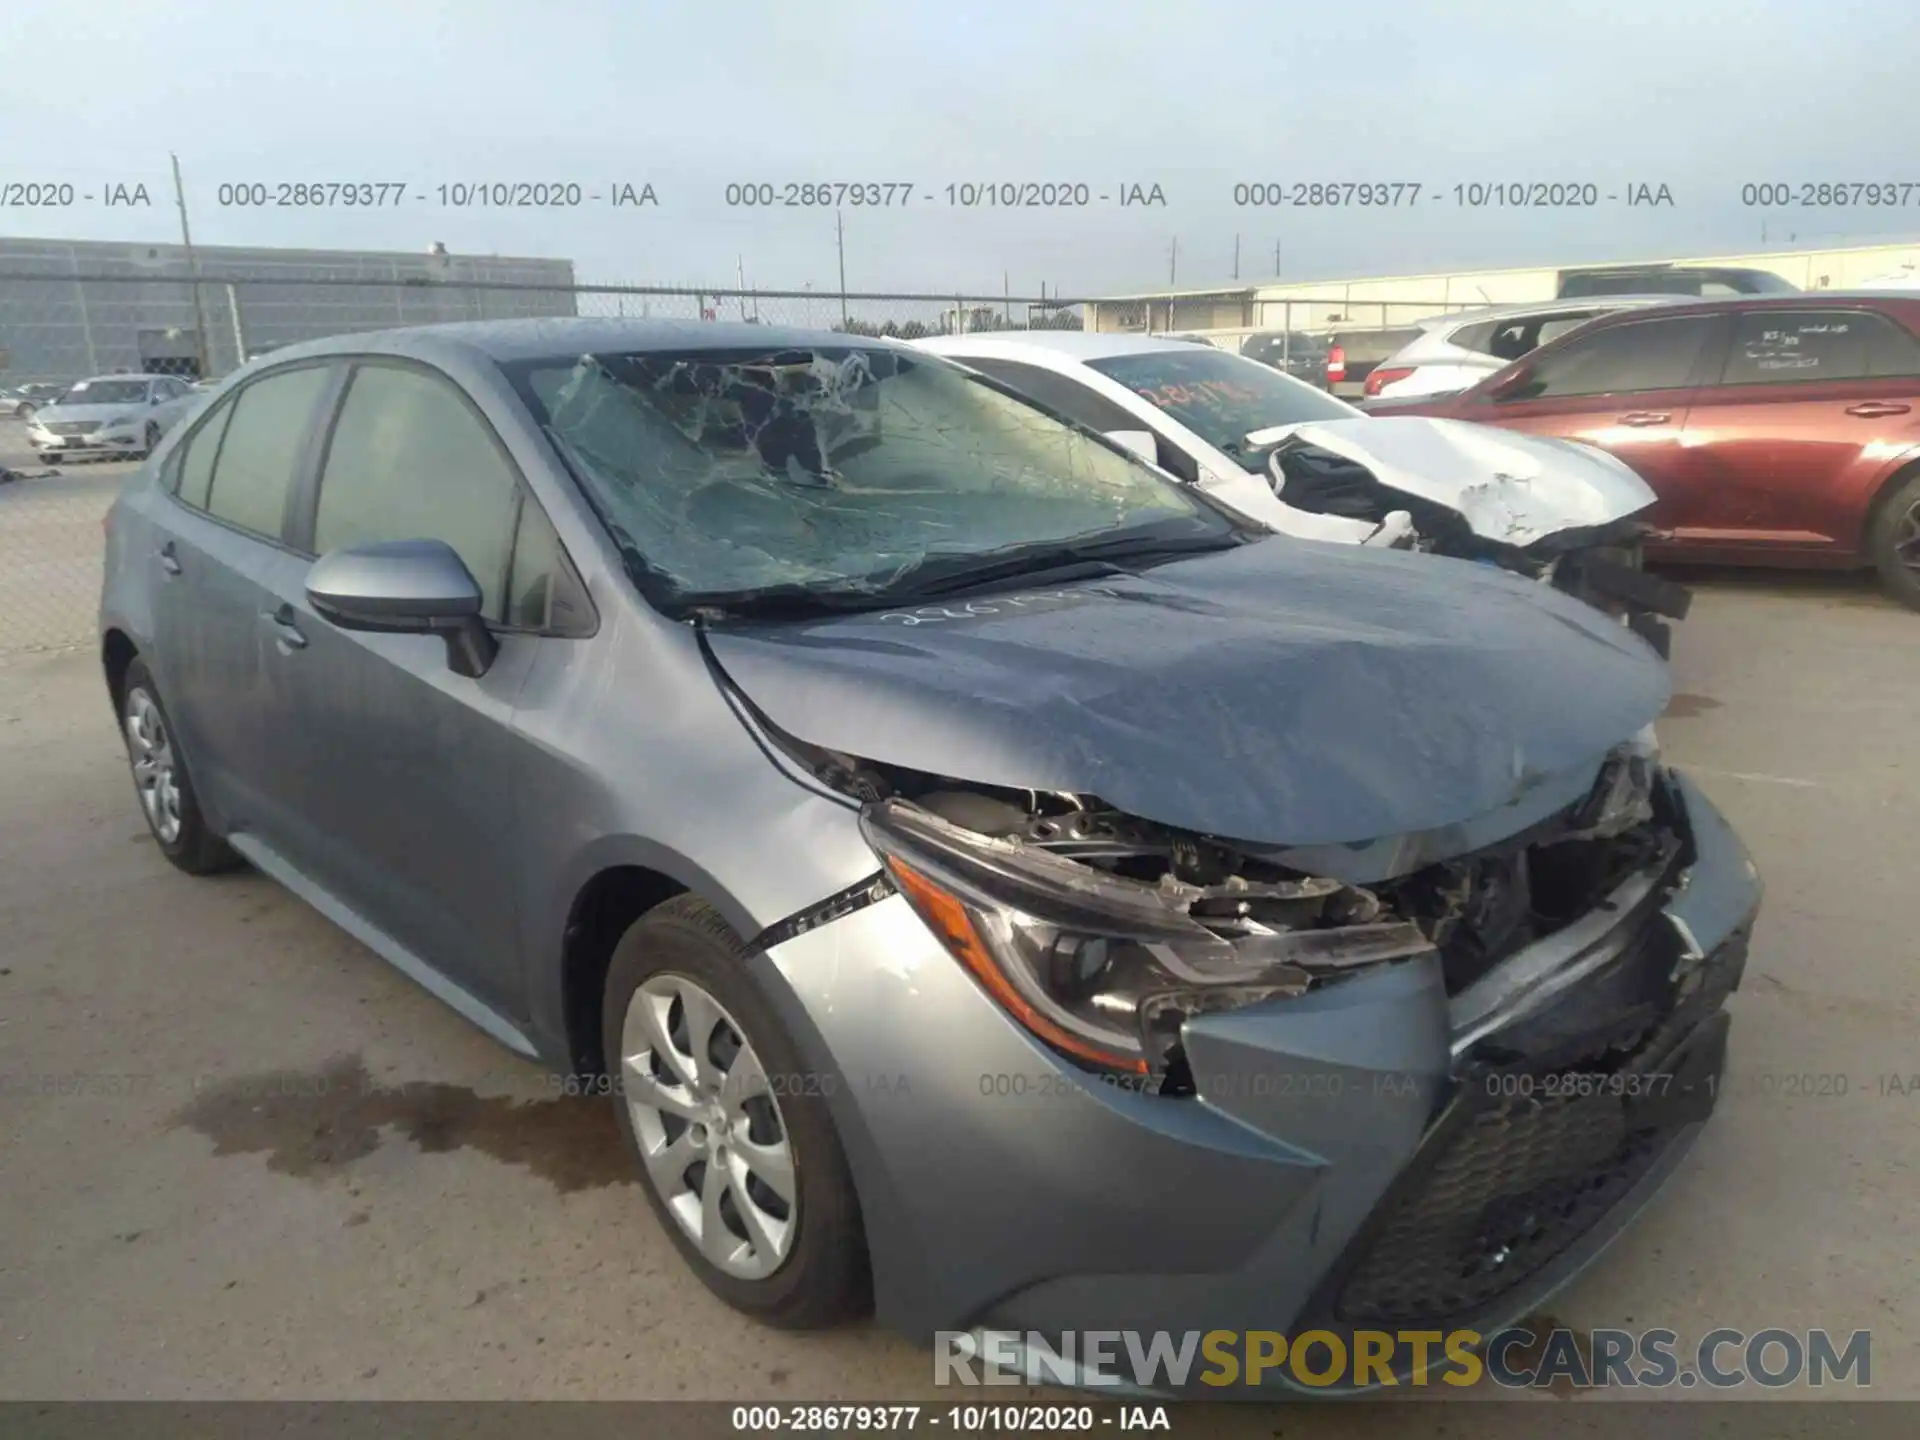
161, 781
1893, 541
738, 1153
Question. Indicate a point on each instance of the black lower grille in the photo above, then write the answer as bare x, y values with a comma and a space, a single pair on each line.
1520, 1182
1525, 1161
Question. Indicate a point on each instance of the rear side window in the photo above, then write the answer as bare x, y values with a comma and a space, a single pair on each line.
192, 464
1621, 359
1785, 347
261, 448
411, 460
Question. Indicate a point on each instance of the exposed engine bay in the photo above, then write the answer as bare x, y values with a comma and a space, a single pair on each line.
1121, 929
1598, 564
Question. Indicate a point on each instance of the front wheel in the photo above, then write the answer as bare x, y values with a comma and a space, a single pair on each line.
161, 781
738, 1153
152, 438
1893, 542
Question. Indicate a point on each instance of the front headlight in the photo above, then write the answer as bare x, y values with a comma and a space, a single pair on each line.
117, 421
1105, 969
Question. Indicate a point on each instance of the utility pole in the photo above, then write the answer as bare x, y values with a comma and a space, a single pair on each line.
1236, 257
1006, 299
840, 239
741, 261
1173, 259
193, 269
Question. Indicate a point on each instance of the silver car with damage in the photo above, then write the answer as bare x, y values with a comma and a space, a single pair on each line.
1001, 886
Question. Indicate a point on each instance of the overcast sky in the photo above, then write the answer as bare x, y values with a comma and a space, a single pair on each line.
688, 96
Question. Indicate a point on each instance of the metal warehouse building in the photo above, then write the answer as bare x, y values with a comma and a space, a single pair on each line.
1232, 312
140, 313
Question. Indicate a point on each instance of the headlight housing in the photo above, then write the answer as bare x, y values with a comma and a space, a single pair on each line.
117, 421
1105, 969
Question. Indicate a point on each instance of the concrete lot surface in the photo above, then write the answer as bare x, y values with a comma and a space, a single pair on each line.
286, 1172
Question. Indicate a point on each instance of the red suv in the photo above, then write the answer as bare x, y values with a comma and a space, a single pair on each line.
1782, 430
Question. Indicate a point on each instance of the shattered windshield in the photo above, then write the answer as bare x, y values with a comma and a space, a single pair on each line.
1222, 398
730, 473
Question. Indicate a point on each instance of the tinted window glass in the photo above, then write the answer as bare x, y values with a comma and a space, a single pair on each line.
409, 460
1780, 347
1892, 348
1639, 355
262, 445
193, 461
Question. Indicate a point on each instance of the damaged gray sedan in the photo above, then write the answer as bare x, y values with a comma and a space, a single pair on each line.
995, 884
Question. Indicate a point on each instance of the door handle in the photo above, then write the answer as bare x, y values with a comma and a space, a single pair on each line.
1645, 417
1871, 409
169, 562
286, 633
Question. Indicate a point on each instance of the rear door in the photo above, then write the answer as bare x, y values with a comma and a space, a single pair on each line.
1625, 387
1808, 407
406, 770
217, 561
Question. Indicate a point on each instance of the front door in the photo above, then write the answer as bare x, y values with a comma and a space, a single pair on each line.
1627, 388
402, 772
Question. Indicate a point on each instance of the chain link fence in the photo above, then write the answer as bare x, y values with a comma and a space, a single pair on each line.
66, 326
59, 328
56, 329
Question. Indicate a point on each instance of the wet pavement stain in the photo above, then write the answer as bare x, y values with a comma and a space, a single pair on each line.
1685, 707
314, 1124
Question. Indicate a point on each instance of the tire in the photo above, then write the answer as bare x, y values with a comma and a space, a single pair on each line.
817, 1275
164, 789
1893, 541
152, 438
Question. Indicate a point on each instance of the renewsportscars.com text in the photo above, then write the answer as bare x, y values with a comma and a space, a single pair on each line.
1514, 1358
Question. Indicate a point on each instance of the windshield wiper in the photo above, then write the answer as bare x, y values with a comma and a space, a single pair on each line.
1078, 559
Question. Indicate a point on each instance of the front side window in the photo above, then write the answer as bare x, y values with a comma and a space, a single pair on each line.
1222, 398
1621, 359
725, 475
409, 459
261, 448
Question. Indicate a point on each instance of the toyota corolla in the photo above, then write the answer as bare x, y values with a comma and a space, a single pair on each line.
1003, 887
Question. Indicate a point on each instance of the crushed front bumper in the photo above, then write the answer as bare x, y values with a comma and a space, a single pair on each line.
1359, 1157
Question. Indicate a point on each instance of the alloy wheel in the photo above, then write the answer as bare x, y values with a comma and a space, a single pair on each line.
712, 1137
156, 770
1906, 538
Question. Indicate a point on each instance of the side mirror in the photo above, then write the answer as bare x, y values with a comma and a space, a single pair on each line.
1512, 386
1139, 442
408, 587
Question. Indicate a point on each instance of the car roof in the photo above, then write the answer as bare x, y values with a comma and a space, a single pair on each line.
509, 340
1902, 301
1079, 344
1520, 311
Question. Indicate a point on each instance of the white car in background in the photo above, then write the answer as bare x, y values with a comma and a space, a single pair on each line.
1456, 352
1309, 464
118, 415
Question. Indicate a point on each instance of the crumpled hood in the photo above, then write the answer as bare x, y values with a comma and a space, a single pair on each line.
1507, 485
1285, 693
